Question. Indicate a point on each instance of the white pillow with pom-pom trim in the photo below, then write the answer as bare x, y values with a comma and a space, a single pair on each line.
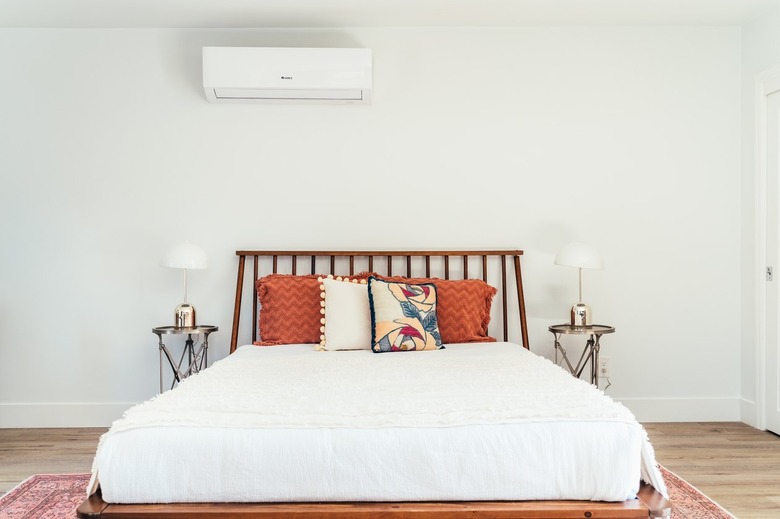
347, 319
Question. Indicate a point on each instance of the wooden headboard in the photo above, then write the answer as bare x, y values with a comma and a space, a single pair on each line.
456, 263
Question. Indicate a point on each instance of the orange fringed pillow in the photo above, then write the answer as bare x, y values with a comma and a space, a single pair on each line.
291, 309
463, 307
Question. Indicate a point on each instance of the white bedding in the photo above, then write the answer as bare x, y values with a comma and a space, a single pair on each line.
472, 421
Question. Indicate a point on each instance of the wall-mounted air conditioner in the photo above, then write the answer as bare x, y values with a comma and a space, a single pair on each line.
276, 74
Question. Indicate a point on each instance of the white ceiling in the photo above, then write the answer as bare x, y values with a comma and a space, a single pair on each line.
374, 13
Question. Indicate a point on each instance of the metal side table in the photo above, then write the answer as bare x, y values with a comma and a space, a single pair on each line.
590, 354
196, 350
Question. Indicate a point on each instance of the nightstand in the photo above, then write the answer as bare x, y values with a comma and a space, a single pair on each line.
195, 349
590, 353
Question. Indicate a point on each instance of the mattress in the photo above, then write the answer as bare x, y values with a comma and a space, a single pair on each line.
487, 421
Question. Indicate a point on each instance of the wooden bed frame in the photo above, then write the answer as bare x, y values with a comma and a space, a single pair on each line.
650, 503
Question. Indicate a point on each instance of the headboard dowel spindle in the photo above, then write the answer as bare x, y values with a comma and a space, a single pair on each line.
503, 296
521, 300
237, 307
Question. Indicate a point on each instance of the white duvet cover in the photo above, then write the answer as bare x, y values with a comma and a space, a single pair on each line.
487, 421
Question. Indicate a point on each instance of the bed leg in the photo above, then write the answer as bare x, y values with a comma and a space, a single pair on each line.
659, 506
92, 507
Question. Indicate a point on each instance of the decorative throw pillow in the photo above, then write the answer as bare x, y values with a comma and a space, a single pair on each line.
463, 307
347, 321
403, 316
290, 309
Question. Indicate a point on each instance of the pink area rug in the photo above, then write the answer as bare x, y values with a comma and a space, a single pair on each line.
45, 496
688, 502
56, 496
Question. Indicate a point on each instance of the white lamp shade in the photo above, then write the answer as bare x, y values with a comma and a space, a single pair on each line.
579, 254
184, 256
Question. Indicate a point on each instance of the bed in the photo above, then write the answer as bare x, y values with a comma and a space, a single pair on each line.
445, 433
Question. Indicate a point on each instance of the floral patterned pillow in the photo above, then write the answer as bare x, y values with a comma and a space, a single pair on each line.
403, 316
462, 307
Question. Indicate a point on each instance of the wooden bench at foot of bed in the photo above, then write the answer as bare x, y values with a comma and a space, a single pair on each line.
649, 504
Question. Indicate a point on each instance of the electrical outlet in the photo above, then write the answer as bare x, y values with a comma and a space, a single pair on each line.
604, 367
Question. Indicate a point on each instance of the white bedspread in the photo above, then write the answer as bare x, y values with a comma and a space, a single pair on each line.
355, 425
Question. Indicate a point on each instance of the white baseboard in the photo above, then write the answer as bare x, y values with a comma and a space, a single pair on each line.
748, 412
60, 415
645, 409
684, 409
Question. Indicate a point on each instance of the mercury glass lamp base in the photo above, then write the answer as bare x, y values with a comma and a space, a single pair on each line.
184, 316
581, 315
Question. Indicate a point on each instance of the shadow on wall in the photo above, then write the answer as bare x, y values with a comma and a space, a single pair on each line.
550, 300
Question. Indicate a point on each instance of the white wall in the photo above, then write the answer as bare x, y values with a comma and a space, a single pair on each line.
625, 137
760, 52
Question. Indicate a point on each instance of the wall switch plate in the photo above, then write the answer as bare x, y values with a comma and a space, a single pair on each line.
604, 367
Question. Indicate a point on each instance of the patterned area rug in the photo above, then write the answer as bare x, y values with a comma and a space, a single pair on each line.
45, 496
688, 502
56, 496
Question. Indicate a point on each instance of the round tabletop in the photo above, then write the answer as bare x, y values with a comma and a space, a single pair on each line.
593, 329
204, 328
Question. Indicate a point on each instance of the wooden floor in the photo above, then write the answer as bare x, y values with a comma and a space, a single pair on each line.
734, 464
24, 452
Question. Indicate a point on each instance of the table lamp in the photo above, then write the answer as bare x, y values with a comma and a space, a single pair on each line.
583, 256
184, 256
